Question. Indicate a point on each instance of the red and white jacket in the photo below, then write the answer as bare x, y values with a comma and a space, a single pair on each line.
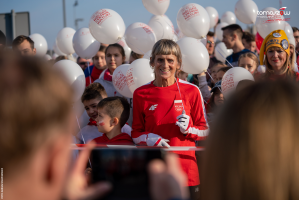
156, 110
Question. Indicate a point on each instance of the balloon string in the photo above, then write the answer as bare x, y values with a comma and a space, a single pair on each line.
224, 58
89, 72
210, 75
82, 137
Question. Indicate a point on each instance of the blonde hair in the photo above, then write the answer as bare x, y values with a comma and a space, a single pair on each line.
249, 55
166, 47
34, 99
292, 58
288, 70
253, 151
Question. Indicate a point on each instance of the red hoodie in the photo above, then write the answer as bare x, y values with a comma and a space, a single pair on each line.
121, 139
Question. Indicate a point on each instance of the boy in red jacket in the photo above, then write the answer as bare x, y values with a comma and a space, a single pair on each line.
92, 95
113, 113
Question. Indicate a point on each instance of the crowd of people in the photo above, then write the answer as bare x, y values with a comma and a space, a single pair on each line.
250, 139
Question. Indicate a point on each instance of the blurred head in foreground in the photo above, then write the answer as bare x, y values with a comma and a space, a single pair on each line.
253, 151
36, 126
24, 45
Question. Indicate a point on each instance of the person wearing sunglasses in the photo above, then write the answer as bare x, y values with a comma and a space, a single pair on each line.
83, 63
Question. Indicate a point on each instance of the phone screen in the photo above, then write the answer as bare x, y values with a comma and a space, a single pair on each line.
126, 169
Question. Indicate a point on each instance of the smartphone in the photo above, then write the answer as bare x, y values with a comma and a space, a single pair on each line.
126, 169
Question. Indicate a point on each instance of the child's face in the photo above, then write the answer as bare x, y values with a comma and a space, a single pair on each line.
219, 75
91, 108
114, 58
218, 98
248, 64
214, 73
99, 60
104, 121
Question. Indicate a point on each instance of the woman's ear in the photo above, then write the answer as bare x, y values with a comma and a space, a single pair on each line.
179, 65
152, 63
124, 58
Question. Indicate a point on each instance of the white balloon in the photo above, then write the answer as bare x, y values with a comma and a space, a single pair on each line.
127, 49
84, 44
161, 27
231, 79
219, 32
195, 56
57, 50
221, 52
193, 20
107, 26
265, 23
139, 73
213, 14
48, 57
204, 41
140, 37
65, 40
83, 120
288, 29
175, 38
74, 75
78, 108
246, 11
292, 40
119, 80
147, 55
228, 17
261, 69
179, 33
54, 56
40, 44
156, 7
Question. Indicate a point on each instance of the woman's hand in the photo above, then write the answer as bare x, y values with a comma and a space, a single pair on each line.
183, 122
77, 186
156, 140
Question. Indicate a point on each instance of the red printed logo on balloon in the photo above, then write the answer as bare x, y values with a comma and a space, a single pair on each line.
147, 29
130, 80
120, 81
227, 82
100, 16
190, 11
85, 33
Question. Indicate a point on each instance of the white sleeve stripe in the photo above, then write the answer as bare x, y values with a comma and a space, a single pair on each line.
200, 133
202, 101
141, 138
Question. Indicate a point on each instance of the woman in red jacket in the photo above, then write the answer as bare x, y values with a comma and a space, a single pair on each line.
169, 111
274, 54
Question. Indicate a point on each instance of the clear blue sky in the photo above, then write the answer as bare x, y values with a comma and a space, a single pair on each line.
46, 16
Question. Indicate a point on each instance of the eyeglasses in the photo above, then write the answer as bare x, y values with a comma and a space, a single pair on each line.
210, 42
